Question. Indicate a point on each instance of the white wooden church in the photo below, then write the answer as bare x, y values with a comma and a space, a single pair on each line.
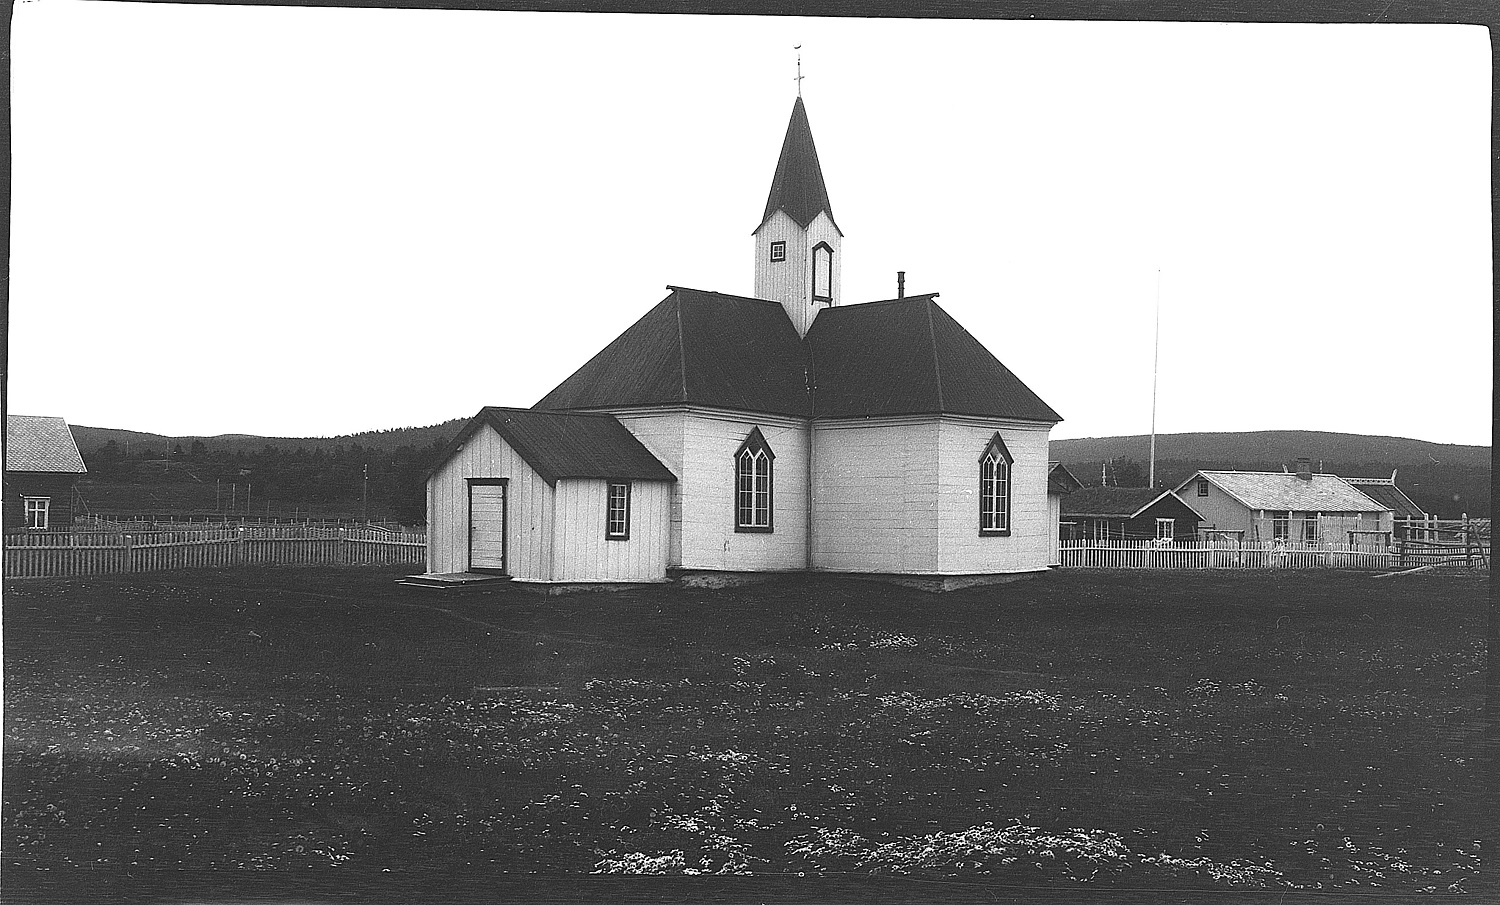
724, 435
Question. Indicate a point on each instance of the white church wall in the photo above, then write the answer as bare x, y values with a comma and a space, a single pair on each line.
875, 496
584, 554
707, 536
961, 549
528, 509
660, 431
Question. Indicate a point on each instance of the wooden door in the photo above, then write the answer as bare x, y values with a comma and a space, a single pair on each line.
487, 526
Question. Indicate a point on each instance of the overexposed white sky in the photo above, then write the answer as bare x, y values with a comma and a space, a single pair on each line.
304, 221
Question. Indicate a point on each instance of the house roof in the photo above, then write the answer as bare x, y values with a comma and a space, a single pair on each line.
1119, 502
896, 357
1274, 490
1060, 480
797, 187
41, 443
1388, 496
567, 445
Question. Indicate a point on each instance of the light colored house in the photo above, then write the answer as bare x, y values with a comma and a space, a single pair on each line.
42, 465
1300, 507
804, 432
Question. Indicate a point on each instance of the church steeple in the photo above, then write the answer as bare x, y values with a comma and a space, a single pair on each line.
797, 258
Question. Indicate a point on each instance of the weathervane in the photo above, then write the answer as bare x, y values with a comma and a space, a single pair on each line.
798, 48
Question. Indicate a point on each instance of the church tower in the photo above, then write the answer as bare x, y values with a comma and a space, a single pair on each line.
797, 257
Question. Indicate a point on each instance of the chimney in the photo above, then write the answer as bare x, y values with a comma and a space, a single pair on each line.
900, 284
1304, 468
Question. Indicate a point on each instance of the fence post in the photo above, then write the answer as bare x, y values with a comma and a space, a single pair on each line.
239, 546
129, 554
343, 552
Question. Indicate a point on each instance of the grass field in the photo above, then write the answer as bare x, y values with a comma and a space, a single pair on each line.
1146, 731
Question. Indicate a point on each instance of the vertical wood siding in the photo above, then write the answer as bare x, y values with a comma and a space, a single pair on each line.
875, 497
961, 549
790, 282
529, 506
582, 553
661, 433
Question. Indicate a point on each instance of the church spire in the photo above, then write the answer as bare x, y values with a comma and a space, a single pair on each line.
797, 187
797, 254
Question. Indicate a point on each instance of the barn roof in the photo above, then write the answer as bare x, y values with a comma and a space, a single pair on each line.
895, 357
1276, 490
798, 187
1060, 480
1119, 502
567, 445
1387, 495
41, 443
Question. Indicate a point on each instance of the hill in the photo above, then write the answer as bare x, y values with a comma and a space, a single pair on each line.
1445, 478
93, 439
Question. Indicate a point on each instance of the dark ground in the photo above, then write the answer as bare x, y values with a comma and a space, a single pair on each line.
1104, 736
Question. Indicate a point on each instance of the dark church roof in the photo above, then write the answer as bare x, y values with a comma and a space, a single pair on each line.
898, 357
696, 348
797, 187
909, 356
567, 445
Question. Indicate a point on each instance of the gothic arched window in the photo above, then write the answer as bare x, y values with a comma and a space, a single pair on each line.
752, 484
823, 272
994, 487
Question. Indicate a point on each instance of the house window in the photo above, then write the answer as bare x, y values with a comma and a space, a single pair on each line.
1310, 528
1203, 487
822, 272
617, 518
778, 251
37, 510
752, 483
1166, 529
1280, 523
994, 488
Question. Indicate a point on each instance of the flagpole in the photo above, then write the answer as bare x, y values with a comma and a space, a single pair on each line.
1155, 357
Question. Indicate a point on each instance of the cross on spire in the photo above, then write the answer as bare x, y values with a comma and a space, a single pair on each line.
798, 48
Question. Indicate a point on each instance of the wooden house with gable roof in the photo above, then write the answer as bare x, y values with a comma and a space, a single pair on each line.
803, 432
42, 465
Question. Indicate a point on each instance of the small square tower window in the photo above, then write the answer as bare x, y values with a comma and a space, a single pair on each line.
778, 251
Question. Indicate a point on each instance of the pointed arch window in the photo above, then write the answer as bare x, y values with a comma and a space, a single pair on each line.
753, 463
822, 272
994, 488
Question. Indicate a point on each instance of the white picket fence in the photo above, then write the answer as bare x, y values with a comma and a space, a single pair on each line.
1146, 554
67, 554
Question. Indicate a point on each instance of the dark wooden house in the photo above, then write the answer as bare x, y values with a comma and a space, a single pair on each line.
1127, 513
42, 464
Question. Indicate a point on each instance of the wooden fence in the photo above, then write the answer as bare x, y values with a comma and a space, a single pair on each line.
1145, 554
63, 554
